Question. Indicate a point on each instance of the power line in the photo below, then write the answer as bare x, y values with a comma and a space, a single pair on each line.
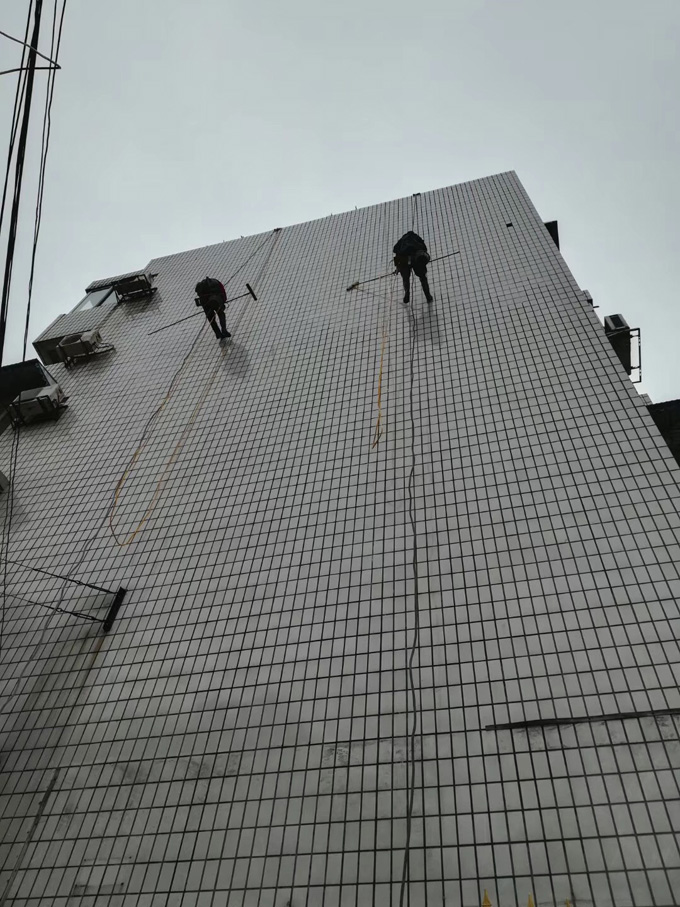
6, 72
19, 174
54, 63
18, 104
23, 97
45, 145
9, 507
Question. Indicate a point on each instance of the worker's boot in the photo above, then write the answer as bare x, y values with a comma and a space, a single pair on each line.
407, 297
426, 289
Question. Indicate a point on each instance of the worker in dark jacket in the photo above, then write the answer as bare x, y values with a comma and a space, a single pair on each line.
410, 254
213, 298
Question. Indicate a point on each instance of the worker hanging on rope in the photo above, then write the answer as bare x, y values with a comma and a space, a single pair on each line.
213, 298
410, 254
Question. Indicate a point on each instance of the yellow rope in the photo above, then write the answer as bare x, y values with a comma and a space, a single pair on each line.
378, 423
386, 313
169, 463
140, 449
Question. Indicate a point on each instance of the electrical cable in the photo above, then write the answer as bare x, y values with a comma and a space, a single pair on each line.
18, 103
25, 95
45, 146
9, 507
54, 65
7, 72
18, 176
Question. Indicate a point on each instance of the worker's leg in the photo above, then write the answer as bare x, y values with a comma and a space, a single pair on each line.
420, 267
211, 315
223, 325
405, 271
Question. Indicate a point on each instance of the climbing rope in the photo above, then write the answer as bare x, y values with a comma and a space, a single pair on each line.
385, 316
378, 423
415, 711
166, 469
177, 449
387, 303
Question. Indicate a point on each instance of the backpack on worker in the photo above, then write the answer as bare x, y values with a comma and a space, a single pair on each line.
209, 292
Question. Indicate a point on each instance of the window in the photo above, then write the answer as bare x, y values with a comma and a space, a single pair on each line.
93, 299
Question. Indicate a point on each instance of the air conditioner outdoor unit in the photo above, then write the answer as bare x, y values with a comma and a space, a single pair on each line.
620, 335
74, 345
37, 403
134, 286
615, 323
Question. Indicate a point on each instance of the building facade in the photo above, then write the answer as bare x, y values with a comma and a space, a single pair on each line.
401, 611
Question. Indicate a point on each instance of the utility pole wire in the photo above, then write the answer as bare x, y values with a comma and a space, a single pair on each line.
6, 72
25, 44
18, 177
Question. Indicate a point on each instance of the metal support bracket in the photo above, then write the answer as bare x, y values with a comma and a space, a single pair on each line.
113, 610
635, 332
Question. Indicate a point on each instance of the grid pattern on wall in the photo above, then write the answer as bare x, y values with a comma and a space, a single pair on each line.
402, 612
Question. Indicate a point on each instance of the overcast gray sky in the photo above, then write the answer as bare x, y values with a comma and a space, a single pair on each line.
178, 124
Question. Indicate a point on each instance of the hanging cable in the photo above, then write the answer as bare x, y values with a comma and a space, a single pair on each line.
414, 210
129, 538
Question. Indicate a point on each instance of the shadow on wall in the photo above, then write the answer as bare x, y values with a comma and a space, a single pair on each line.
238, 360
